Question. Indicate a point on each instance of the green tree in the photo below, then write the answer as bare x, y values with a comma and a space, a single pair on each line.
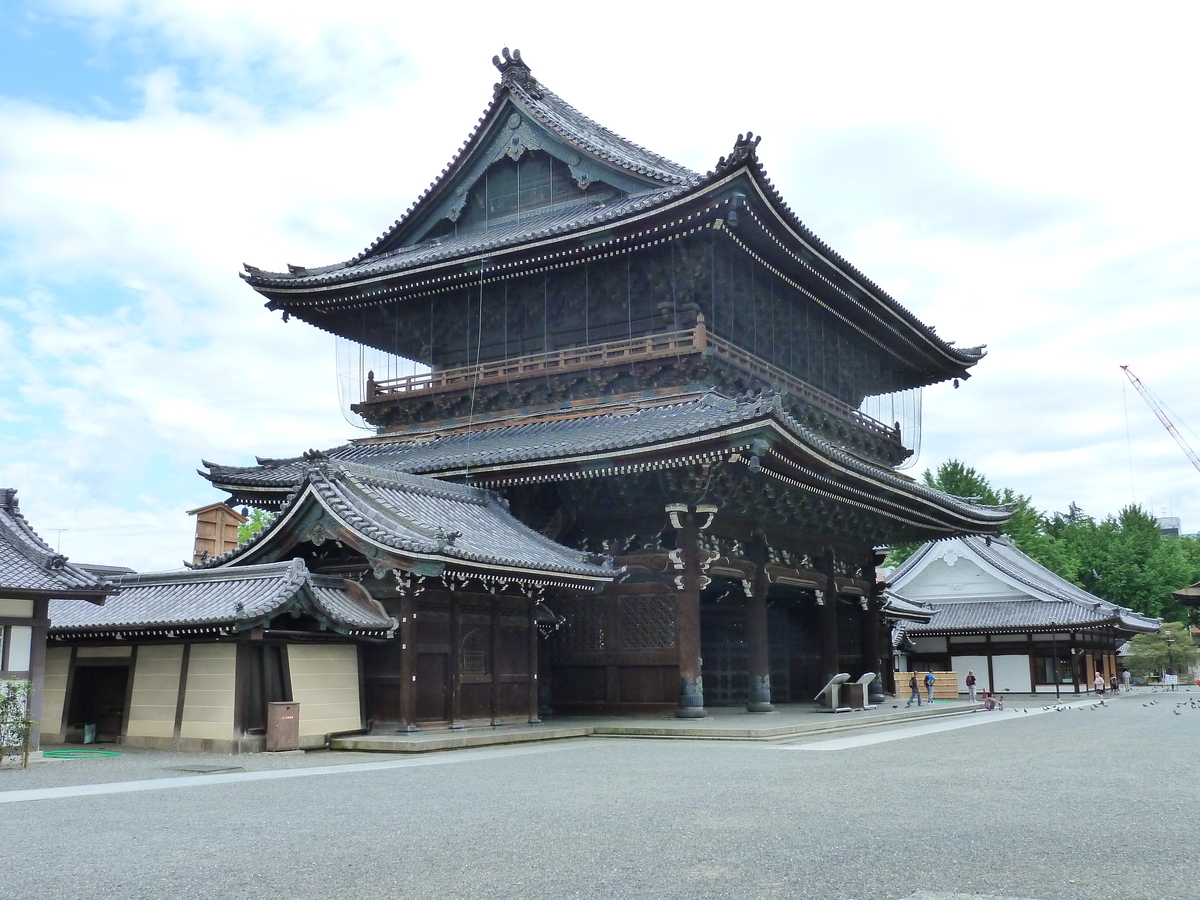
1154, 654
1125, 559
1027, 527
16, 727
257, 521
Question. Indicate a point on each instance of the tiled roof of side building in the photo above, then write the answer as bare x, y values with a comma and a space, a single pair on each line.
585, 436
30, 565
1011, 615
204, 597
419, 515
1074, 605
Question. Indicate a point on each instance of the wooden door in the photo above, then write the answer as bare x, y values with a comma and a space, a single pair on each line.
433, 687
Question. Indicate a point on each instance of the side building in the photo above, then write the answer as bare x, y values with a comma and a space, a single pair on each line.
32, 575
1020, 627
371, 600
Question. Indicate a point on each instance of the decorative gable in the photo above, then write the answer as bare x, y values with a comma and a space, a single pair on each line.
518, 166
525, 118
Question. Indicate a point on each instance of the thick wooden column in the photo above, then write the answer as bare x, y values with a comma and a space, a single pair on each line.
869, 641
408, 654
688, 585
827, 598
757, 634
533, 665
494, 660
455, 661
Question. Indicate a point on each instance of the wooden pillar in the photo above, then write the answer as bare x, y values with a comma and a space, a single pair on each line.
1074, 667
407, 714
455, 662
987, 639
493, 659
757, 632
827, 598
533, 665
688, 585
37, 669
869, 642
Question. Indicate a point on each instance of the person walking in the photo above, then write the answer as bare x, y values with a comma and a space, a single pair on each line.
1112, 683
929, 685
971, 685
1098, 682
916, 692
1125, 679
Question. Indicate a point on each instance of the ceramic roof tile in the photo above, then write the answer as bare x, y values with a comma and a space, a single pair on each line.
1053, 599
605, 432
529, 227
29, 564
222, 597
422, 515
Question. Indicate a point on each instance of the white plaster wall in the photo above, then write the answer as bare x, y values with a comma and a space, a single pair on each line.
325, 684
1012, 674
20, 642
208, 702
155, 691
19, 609
940, 582
54, 689
962, 664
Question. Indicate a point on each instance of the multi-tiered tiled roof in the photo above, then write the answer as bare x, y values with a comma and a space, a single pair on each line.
655, 199
629, 437
425, 521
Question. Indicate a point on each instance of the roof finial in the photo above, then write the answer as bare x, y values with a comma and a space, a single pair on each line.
744, 148
515, 73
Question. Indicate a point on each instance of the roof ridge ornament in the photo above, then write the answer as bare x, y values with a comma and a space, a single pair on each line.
515, 72
744, 148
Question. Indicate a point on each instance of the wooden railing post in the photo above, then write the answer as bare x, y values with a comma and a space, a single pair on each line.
700, 340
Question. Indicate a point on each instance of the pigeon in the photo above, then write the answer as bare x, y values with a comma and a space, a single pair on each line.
1177, 712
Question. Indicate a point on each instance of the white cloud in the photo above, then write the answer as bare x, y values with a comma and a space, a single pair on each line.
1025, 184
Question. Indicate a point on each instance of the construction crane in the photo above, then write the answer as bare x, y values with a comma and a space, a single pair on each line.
1162, 416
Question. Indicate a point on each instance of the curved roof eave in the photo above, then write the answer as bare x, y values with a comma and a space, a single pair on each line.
887, 310
323, 492
736, 421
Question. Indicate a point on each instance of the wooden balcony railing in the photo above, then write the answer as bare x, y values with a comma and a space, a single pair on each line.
698, 340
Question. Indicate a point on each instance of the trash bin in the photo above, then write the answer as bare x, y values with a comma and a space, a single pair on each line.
283, 726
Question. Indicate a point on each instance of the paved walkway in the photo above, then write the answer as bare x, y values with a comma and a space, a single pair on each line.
635, 817
721, 724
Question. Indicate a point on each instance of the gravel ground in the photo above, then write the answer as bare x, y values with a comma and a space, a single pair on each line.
1086, 803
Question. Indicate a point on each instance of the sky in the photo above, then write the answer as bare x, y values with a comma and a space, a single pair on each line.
1021, 176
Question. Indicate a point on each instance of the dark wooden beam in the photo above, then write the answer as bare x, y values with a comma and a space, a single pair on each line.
757, 633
